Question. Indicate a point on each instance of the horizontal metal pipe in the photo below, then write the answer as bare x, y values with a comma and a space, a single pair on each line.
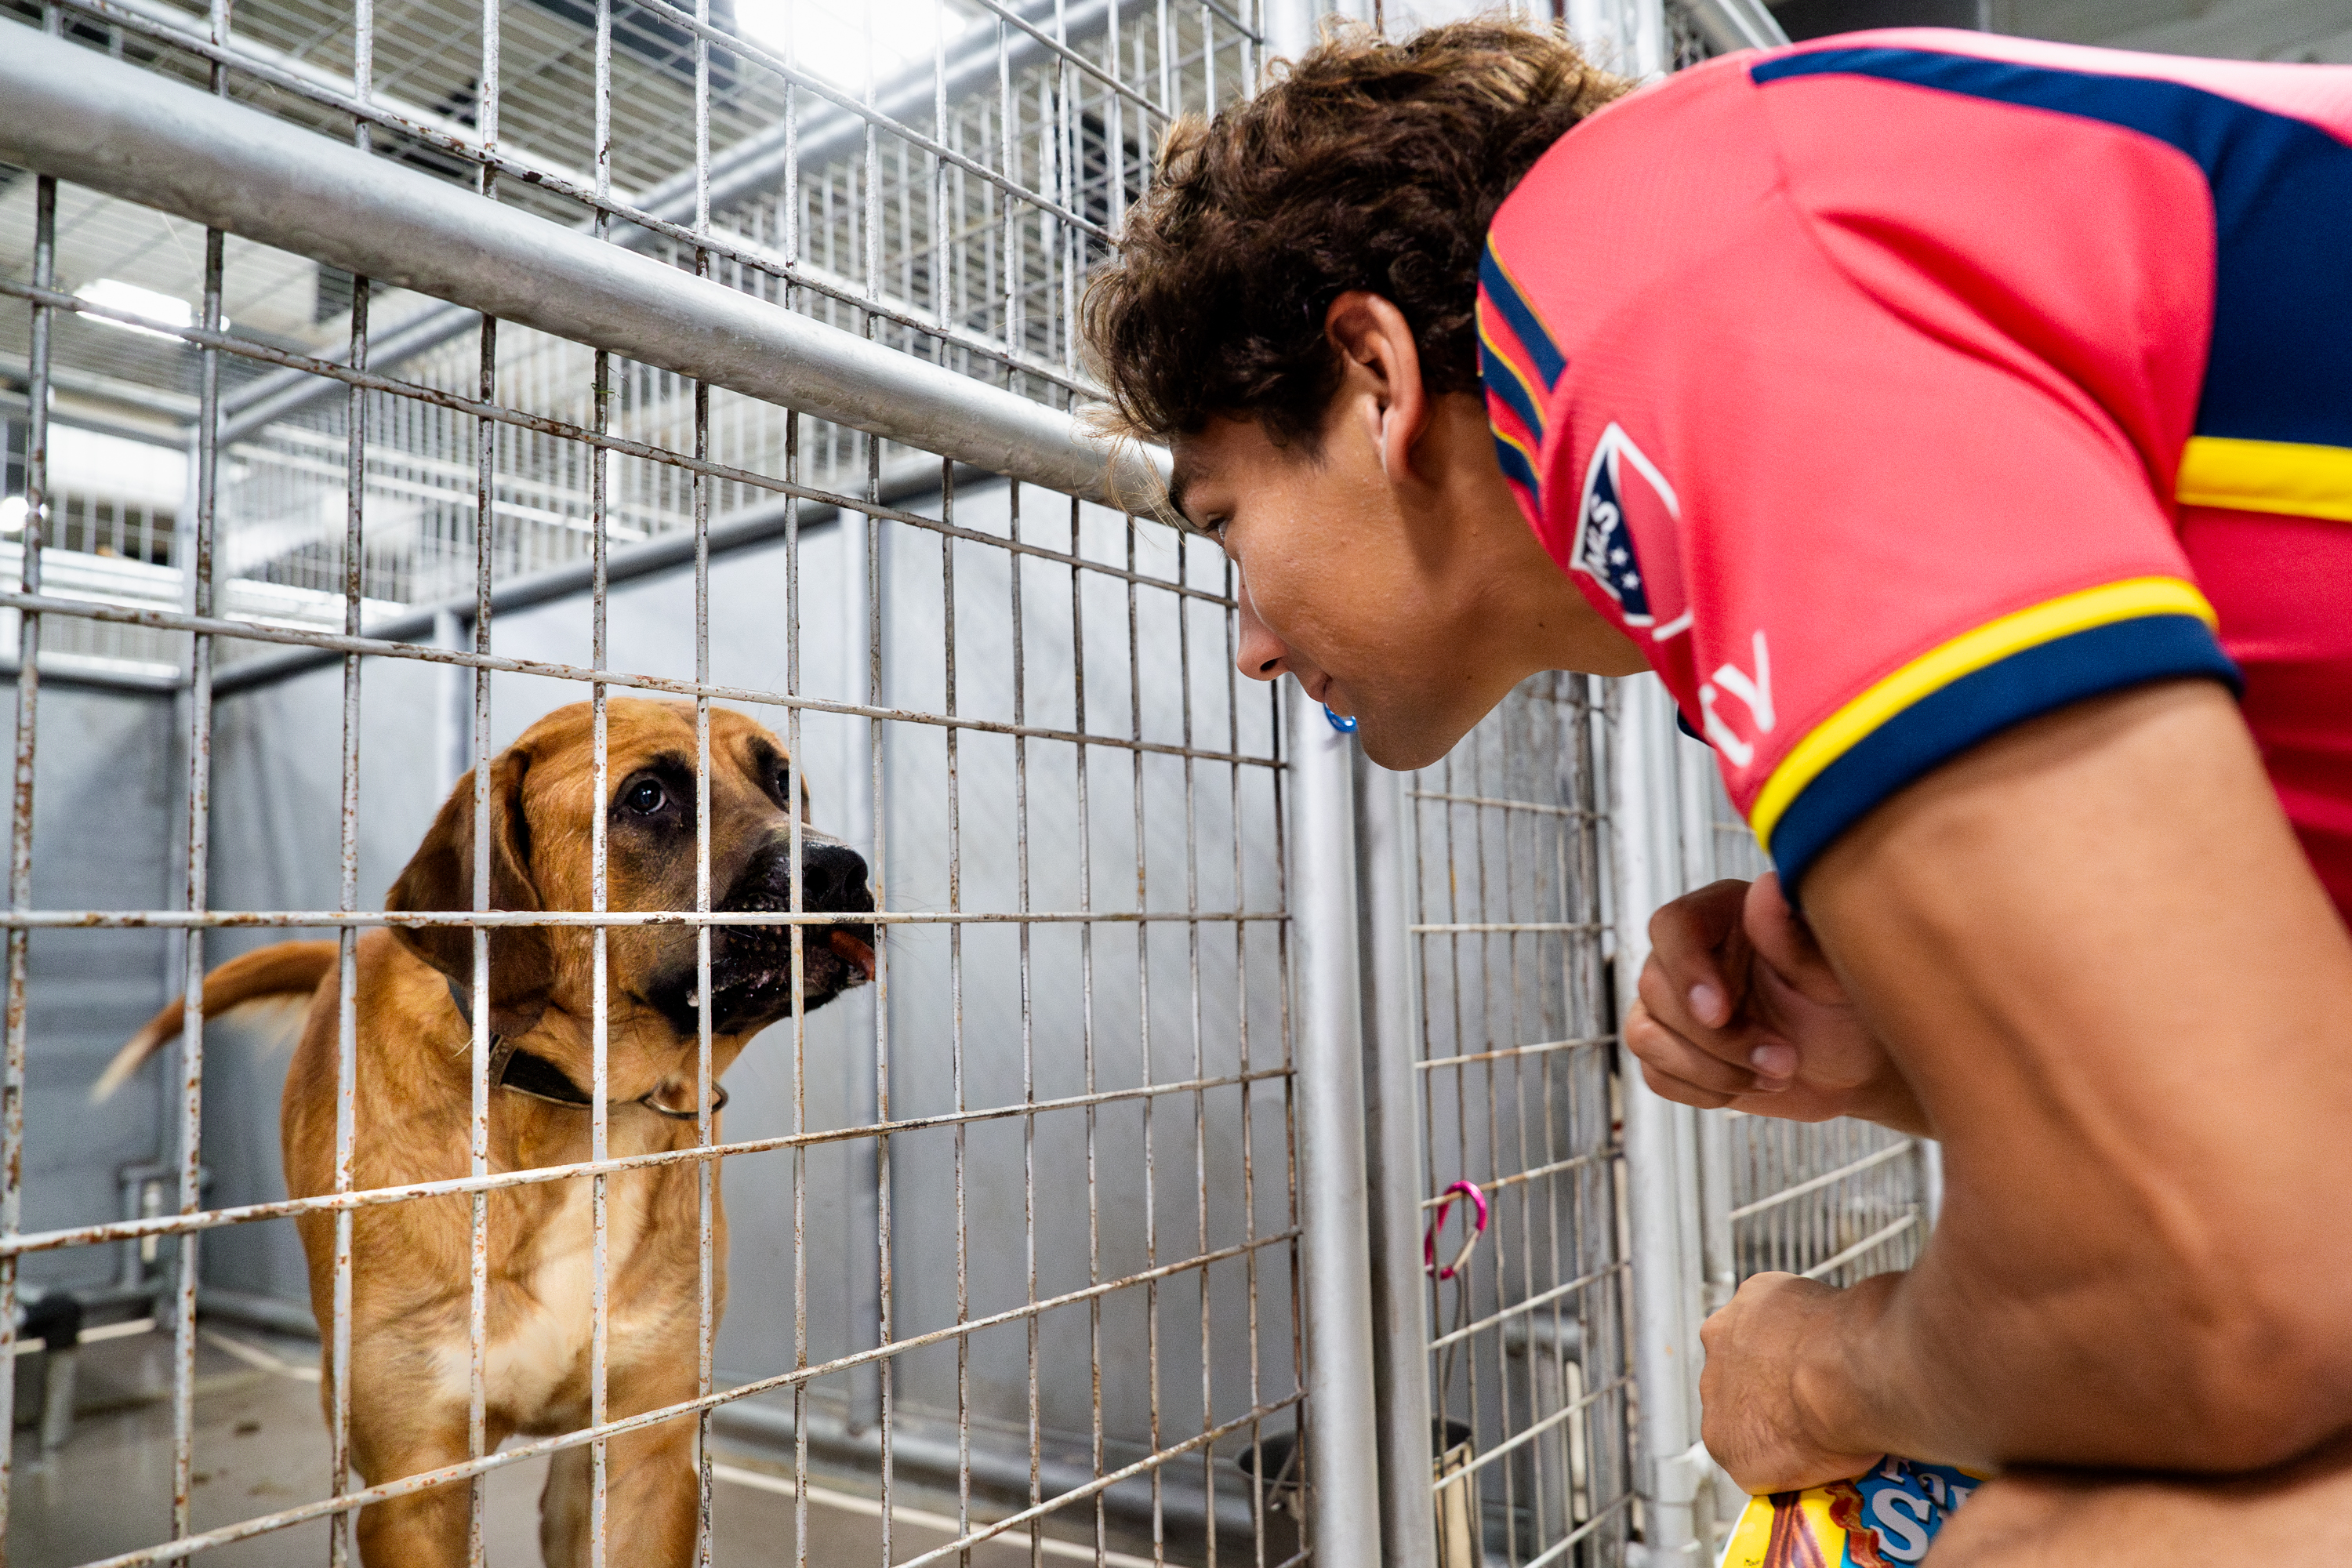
750, 165
78, 115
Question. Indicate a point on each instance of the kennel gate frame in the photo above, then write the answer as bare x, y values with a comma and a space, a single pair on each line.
954, 417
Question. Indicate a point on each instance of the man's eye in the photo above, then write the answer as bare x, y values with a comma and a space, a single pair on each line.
646, 797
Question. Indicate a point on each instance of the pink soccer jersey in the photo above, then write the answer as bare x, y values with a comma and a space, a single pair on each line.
1895, 388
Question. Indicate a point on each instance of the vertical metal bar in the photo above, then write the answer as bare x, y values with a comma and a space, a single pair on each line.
600, 1021
1659, 1147
199, 829
800, 1010
1249, 1089
339, 1337
884, 1368
1067, 242
485, 438
1143, 1033
1393, 1151
1343, 1463
706, 1171
339, 1349
1199, 1065
1010, 237
600, 464
1028, 1028
1087, 1014
955, 1006
20, 822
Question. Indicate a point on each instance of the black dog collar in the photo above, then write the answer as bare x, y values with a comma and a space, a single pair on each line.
535, 1076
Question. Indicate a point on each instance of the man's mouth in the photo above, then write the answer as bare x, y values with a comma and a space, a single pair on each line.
1323, 693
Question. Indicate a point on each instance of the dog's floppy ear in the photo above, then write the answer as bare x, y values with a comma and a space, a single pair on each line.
440, 876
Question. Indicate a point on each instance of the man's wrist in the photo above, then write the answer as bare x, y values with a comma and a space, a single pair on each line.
1838, 1385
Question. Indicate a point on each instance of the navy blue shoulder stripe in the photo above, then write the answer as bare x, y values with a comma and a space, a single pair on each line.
2282, 213
1515, 465
1499, 381
1522, 318
1981, 704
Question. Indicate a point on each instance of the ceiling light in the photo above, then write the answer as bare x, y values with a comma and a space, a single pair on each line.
129, 297
12, 514
830, 40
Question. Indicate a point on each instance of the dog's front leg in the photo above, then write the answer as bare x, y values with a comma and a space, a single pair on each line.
649, 1500
424, 1529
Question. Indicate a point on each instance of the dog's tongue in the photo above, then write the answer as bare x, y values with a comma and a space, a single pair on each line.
855, 950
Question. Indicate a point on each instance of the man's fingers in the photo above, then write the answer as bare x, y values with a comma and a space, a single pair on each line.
1697, 942
1782, 940
1686, 1069
1683, 1093
1741, 1048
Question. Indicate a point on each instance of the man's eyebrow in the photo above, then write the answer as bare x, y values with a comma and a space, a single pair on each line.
1179, 480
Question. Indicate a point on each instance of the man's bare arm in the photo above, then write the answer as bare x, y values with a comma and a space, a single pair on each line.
2098, 955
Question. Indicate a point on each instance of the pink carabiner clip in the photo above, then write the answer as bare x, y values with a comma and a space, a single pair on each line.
1437, 1222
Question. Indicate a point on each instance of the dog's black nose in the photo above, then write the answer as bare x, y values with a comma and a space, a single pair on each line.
834, 878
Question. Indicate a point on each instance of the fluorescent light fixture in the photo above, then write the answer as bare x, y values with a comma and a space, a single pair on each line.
117, 295
828, 39
12, 514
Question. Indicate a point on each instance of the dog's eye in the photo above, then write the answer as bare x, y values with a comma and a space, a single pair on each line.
646, 797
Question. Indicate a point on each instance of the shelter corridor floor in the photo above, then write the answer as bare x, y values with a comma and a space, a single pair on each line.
261, 1445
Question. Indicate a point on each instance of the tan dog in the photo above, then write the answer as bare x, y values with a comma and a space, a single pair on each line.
410, 1273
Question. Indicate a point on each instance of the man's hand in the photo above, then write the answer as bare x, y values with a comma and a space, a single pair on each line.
1738, 1007
1757, 1423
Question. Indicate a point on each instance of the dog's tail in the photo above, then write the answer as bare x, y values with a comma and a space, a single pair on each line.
287, 971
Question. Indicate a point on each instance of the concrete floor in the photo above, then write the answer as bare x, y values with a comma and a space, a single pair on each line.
260, 1447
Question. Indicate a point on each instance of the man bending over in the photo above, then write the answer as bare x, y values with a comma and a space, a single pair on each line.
1962, 427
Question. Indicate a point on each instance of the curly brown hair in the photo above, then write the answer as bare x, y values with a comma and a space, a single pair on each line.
1367, 164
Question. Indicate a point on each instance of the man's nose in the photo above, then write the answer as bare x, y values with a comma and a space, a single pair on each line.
1258, 653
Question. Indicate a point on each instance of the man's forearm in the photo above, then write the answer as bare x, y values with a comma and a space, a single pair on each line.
2096, 950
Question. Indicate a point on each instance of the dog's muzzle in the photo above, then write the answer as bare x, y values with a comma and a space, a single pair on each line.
752, 965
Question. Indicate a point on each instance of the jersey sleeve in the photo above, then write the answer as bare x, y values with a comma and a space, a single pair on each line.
1855, 538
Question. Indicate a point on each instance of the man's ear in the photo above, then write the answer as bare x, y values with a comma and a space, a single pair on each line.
1382, 363
440, 876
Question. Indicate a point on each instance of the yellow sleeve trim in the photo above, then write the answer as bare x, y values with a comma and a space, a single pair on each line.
1536, 397
2267, 476
1964, 655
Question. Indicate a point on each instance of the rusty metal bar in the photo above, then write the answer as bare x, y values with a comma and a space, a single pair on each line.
187, 1151
347, 970
20, 820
